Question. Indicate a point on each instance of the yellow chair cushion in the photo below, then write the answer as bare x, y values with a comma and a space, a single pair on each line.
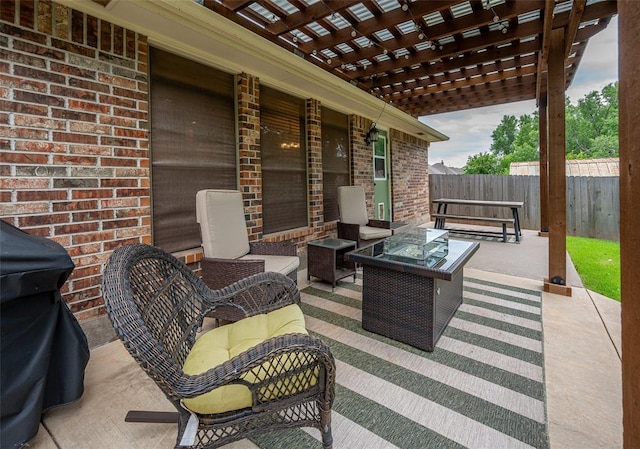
223, 343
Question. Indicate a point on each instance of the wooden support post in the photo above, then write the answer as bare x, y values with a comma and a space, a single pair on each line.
557, 280
629, 135
543, 131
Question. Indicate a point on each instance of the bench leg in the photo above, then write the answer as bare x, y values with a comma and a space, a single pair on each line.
504, 232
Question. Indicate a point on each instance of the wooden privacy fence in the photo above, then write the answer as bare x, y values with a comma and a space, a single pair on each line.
593, 203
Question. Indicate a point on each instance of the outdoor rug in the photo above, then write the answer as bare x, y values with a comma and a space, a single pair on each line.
482, 387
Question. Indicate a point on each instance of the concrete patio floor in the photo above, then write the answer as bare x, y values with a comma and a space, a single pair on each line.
582, 368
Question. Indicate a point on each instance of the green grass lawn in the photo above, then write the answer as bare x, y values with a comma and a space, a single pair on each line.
598, 264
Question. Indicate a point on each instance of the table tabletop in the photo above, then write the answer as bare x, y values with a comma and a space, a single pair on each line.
494, 203
332, 243
460, 252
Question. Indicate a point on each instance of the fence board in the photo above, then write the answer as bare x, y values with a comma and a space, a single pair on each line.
593, 203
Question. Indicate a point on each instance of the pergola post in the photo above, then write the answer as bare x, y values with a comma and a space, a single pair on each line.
629, 135
557, 280
543, 131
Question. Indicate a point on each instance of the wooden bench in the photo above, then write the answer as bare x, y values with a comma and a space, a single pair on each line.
503, 221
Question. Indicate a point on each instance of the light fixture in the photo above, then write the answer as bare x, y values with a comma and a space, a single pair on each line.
372, 135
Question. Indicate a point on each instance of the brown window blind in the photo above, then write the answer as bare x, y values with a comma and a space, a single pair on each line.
284, 161
335, 159
193, 143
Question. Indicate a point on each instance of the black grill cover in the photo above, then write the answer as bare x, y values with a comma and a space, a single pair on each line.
43, 350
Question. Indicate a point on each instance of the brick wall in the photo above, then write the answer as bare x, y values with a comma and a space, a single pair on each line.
250, 167
409, 173
362, 159
73, 136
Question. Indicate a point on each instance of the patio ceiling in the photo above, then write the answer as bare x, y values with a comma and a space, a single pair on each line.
427, 57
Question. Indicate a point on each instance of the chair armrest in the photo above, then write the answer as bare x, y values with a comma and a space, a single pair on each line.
273, 248
218, 273
260, 293
379, 224
286, 359
348, 231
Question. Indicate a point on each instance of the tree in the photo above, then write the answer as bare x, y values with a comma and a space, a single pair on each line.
591, 132
592, 125
482, 164
504, 135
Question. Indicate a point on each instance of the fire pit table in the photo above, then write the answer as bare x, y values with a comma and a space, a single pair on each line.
411, 300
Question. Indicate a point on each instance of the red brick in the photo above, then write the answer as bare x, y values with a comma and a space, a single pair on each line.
76, 228
118, 162
42, 147
85, 106
21, 33
131, 152
72, 70
129, 113
89, 85
24, 183
40, 50
81, 94
120, 142
45, 16
23, 83
118, 101
41, 195
96, 150
27, 13
93, 215
73, 48
41, 220
93, 193
92, 31
8, 11
32, 97
34, 121
74, 115
128, 93
93, 237
42, 75
77, 26
75, 205
64, 159
117, 121
76, 138
15, 157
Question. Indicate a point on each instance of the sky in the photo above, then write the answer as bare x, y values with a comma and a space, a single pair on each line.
470, 131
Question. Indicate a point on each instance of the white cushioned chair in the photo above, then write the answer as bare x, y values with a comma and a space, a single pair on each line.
354, 223
228, 254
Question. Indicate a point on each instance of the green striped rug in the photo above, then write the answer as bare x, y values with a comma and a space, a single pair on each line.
482, 387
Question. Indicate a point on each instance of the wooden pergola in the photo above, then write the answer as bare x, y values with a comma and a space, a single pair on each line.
430, 57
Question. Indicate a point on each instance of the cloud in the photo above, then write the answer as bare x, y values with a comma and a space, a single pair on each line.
470, 131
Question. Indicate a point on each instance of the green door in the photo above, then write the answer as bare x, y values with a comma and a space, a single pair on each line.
381, 193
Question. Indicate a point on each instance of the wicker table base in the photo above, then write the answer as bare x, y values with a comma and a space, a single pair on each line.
411, 302
407, 307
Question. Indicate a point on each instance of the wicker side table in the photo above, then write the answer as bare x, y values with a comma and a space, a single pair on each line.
326, 261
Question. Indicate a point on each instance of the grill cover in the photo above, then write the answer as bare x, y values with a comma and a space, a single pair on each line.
43, 350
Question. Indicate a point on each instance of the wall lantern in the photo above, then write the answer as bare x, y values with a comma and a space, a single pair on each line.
372, 135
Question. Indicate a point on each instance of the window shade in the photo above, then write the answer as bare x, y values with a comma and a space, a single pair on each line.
284, 161
335, 159
193, 143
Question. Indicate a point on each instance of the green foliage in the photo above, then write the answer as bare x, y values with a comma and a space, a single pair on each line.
592, 125
591, 132
597, 263
504, 135
482, 164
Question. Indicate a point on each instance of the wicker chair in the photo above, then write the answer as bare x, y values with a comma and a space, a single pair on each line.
228, 254
354, 223
157, 305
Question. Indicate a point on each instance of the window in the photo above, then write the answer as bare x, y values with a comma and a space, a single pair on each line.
284, 161
193, 143
380, 159
335, 159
